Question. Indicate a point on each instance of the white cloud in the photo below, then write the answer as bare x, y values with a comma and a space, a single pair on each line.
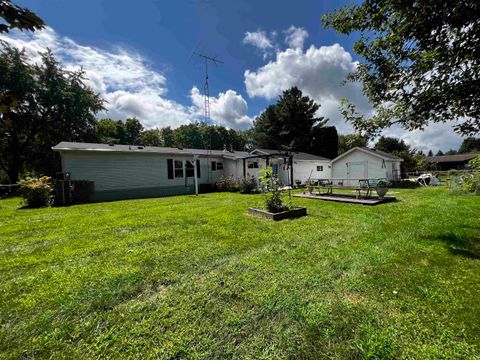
228, 109
128, 82
433, 137
295, 37
260, 40
318, 72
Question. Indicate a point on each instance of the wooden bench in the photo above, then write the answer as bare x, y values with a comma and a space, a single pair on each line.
364, 185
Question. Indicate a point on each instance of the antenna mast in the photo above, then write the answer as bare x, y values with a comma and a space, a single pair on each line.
206, 92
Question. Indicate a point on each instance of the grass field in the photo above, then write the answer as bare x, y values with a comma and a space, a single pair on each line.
195, 277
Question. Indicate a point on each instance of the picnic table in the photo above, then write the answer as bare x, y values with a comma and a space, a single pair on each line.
365, 186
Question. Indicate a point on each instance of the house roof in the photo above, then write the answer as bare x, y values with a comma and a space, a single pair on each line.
75, 146
380, 154
296, 154
451, 158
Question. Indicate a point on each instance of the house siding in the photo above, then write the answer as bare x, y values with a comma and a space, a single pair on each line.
302, 170
122, 175
348, 167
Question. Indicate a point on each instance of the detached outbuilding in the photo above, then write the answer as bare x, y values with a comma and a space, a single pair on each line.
449, 162
364, 163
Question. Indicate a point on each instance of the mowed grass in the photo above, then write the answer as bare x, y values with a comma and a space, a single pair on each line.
196, 277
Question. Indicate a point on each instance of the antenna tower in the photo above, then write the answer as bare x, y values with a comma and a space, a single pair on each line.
206, 92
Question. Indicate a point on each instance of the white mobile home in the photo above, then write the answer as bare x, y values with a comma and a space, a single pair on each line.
128, 171
364, 163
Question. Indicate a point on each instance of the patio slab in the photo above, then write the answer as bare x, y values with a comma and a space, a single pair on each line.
346, 198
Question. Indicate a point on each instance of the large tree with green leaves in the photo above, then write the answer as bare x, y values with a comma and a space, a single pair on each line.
324, 141
17, 17
288, 124
40, 105
420, 62
349, 141
470, 144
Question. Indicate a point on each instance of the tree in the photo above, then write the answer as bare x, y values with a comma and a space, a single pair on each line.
133, 128
17, 17
40, 105
421, 62
430, 153
110, 131
168, 138
152, 137
391, 145
287, 125
451, 152
439, 153
469, 144
324, 141
349, 141
189, 136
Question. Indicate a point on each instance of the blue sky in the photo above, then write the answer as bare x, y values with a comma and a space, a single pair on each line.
138, 56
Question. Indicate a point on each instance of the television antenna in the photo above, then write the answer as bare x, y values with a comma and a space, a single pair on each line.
206, 93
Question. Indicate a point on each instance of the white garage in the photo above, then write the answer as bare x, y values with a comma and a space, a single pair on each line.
364, 163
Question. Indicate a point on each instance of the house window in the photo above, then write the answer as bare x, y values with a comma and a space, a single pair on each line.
319, 167
253, 165
190, 171
219, 166
214, 165
178, 169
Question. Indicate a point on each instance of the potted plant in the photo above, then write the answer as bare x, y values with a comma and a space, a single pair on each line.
275, 208
298, 183
381, 188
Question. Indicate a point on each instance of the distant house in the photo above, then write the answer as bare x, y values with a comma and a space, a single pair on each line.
449, 162
364, 163
124, 171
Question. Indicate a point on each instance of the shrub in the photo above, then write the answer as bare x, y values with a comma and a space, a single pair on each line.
36, 191
227, 183
467, 183
248, 185
270, 185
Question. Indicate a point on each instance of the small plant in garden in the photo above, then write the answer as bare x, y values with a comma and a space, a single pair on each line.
248, 185
298, 183
467, 183
36, 191
227, 183
270, 185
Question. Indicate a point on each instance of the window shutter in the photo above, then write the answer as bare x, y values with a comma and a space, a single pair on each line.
198, 168
170, 168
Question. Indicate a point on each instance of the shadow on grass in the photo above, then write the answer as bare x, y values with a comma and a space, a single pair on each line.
462, 245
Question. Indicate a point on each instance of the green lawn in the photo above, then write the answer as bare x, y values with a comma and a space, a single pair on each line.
195, 277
